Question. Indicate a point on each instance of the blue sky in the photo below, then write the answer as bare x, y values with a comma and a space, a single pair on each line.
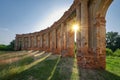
25, 16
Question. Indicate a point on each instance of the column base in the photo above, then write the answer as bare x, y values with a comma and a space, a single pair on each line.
90, 59
67, 52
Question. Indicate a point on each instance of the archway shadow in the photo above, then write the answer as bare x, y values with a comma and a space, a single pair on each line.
64, 69
97, 74
51, 68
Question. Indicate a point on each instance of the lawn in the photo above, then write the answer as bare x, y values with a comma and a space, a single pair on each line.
36, 65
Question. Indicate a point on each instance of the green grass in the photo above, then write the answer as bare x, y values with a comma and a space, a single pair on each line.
8, 71
112, 71
55, 67
113, 65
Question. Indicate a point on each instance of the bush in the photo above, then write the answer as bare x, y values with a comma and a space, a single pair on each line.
109, 52
9, 47
3, 47
117, 53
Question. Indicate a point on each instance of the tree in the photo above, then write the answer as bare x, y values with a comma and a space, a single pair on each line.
118, 42
11, 45
113, 40
3, 47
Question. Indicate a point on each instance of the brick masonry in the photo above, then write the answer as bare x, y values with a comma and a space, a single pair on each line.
59, 38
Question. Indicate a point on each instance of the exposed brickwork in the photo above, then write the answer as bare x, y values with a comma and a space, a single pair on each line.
59, 38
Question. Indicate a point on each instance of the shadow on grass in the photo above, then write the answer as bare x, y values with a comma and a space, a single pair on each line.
15, 57
90, 74
8, 71
108, 75
51, 68
64, 69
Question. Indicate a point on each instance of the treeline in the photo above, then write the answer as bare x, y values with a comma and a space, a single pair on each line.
9, 47
113, 43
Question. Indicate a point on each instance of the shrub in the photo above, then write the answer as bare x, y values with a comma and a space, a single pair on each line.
109, 52
3, 47
117, 53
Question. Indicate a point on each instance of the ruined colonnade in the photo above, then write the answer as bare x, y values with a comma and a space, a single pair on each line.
89, 15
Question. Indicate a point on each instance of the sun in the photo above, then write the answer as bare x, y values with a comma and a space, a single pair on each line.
75, 27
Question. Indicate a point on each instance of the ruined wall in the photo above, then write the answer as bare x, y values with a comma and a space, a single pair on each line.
89, 15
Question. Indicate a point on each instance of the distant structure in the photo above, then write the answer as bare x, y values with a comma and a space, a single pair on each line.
89, 15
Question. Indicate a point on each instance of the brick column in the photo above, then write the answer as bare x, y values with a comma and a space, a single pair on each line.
62, 44
64, 39
29, 41
40, 42
54, 40
70, 38
38, 38
47, 42
51, 41
84, 25
23, 45
78, 21
32, 41
35, 42
100, 42
82, 55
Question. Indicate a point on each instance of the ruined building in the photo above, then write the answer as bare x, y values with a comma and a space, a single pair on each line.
89, 15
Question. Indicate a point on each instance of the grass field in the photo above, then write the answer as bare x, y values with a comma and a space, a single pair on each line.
35, 65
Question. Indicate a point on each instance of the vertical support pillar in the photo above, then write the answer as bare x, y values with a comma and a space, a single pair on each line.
100, 42
58, 40
82, 55
43, 42
54, 40
78, 21
70, 39
40, 41
23, 45
84, 26
29, 41
38, 46
32, 42
51, 41
35, 42
47, 41
62, 37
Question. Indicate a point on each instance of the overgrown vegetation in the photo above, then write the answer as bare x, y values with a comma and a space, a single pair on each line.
9, 47
117, 53
109, 52
113, 44
113, 40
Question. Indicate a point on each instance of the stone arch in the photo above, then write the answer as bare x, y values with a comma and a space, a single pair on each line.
90, 17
